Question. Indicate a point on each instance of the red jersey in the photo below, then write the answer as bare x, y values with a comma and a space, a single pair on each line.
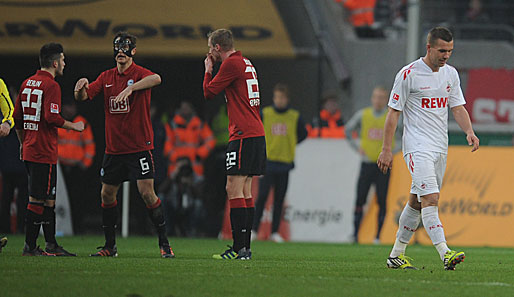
128, 128
37, 111
238, 78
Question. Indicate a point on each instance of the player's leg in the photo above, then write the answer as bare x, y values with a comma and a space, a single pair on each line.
112, 174
237, 204
363, 184
39, 190
381, 185
250, 213
408, 223
281, 182
49, 224
155, 211
265, 183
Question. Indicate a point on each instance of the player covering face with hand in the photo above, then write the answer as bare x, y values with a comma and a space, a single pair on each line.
129, 138
423, 91
246, 150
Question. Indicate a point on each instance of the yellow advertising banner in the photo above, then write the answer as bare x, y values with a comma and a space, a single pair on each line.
476, 204
164, 27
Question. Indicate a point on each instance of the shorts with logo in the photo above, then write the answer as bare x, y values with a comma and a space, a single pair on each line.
246, 156
42, 180
119, 168
427, 171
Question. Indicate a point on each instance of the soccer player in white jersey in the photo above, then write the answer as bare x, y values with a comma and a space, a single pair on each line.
423, 90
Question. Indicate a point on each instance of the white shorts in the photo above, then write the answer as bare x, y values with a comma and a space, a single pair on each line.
427, 171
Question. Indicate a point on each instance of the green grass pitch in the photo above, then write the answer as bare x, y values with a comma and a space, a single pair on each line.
289, 269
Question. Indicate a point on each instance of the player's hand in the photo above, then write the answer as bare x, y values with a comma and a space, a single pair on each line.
78, 126
124, 94
209, 62
81, 83
5, 128
385, 161
473, 140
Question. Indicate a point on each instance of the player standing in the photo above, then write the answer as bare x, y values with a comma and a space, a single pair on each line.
422, 91
37, 118
128, 137
246, 150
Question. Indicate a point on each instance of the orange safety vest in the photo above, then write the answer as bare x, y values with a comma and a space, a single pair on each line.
193, 140
76, 148
327, 126
361, 11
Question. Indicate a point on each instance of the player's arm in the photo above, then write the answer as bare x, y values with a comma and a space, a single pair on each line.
7, 110
385, 159
226, 75
85, 90
144, 83
461, 116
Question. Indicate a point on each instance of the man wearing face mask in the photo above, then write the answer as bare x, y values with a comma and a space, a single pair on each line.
128, 137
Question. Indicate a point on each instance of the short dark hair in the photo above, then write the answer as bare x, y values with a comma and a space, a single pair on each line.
125, 35
48, 53
439, 33
223, 37
281, 87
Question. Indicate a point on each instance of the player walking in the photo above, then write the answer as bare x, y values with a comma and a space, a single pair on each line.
423, 90
128, 137
246, 150
36, 114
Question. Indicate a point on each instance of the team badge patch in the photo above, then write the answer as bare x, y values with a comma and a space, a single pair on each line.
395, 98
448, 87
130, 82
54, 108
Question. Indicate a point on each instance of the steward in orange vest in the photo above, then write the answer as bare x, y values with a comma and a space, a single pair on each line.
76, 148
187, 137
329, 124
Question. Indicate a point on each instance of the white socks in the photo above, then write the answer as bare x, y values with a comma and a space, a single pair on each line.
408, 223
434, 228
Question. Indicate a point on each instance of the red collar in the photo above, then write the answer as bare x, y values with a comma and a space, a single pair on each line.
128, 70
45, 73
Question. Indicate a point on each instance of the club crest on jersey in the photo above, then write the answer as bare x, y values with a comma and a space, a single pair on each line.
448, 87
54, 108
119, 107
130, 82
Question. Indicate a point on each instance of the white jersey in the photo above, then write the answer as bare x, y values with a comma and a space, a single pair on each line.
424, 96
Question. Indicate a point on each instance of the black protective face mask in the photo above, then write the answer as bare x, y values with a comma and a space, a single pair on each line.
123, 44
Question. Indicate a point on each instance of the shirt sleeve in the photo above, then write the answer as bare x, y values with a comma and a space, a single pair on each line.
52, 106
456, 95
401, 89
226, 75
95, 87
6, 104
353, 124
145, 72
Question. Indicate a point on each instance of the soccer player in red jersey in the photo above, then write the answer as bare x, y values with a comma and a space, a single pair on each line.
128, 136
246, 151
37, 118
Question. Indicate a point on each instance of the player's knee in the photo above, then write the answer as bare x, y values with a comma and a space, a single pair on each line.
108, 196
148, 196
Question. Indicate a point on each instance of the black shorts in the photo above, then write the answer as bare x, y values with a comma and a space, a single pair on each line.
246, 156
42, 180
119, 168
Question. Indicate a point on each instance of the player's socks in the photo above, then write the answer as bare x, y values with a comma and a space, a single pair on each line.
357, 218
434, 228
238, 222
250, 213
110, 219
381, 219
157, 217
49, 224
33, 220
407, 225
